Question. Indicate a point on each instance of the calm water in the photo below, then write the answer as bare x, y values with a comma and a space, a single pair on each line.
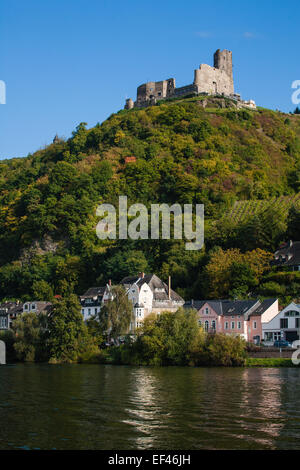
118, 407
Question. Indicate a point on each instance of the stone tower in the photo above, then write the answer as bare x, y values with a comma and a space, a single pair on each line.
223, 61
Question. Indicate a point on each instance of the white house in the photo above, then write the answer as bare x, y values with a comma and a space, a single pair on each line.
285, 325
149, 294
9, 311
93, 299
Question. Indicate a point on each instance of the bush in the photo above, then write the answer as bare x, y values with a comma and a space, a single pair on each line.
227, 350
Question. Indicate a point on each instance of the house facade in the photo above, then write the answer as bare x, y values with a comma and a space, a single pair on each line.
149, 294
240, 317
285, 325
93, 299
9, 311
37, 306
4, 319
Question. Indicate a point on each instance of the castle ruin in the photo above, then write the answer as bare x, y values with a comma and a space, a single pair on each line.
216, 80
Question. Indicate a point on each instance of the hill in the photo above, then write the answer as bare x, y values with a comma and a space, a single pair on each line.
193, 150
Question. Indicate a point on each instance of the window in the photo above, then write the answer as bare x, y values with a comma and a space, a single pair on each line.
268, 336
254, 325
284, 323
239, 325
213, 324
297, 322
82, 311
96, 310
226, 325
206, 311
206, 325
291, 313
232, 325
89, 311
33, 306
26, 306
277, 335
199, 322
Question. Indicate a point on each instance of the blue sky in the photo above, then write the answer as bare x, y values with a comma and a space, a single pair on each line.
68, 61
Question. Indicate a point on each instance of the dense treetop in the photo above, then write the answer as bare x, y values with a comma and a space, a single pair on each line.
185, 153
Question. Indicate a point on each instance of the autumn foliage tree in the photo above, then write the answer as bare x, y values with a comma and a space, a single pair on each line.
227, 267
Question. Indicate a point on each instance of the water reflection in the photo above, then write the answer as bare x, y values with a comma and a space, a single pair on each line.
112, 407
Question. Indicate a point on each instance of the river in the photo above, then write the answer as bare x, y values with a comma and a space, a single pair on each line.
118, 407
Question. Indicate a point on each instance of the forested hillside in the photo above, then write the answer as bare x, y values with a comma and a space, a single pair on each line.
187, 151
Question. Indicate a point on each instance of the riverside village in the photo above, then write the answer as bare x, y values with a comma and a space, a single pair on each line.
264, 323
272, 328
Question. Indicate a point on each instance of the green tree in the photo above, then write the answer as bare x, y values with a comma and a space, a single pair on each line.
41, 290
241, 279
68, 335
293, 224
169, 339
30, 332
115, 316
226, 350
125, 263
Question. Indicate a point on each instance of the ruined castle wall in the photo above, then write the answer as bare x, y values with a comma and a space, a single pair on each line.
223, 61
155, 90
212, 80
186, 90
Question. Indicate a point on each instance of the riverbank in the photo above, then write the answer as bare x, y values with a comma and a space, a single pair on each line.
269, 362
252, 362
249, 362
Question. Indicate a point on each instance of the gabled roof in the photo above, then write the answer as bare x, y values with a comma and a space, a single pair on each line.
40, 305
287, 255
158, 287
233, 307
238, 307
93, 292
12, 307
263, 307
216, 305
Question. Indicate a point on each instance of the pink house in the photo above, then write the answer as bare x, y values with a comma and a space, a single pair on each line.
237, 317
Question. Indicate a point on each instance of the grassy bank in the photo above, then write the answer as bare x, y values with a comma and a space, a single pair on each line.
249, 362
269, 362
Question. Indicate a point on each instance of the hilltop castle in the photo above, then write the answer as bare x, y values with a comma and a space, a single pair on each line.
216, 80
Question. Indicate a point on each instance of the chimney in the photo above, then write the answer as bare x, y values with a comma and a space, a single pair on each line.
109, 282
169, 288
142, 275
